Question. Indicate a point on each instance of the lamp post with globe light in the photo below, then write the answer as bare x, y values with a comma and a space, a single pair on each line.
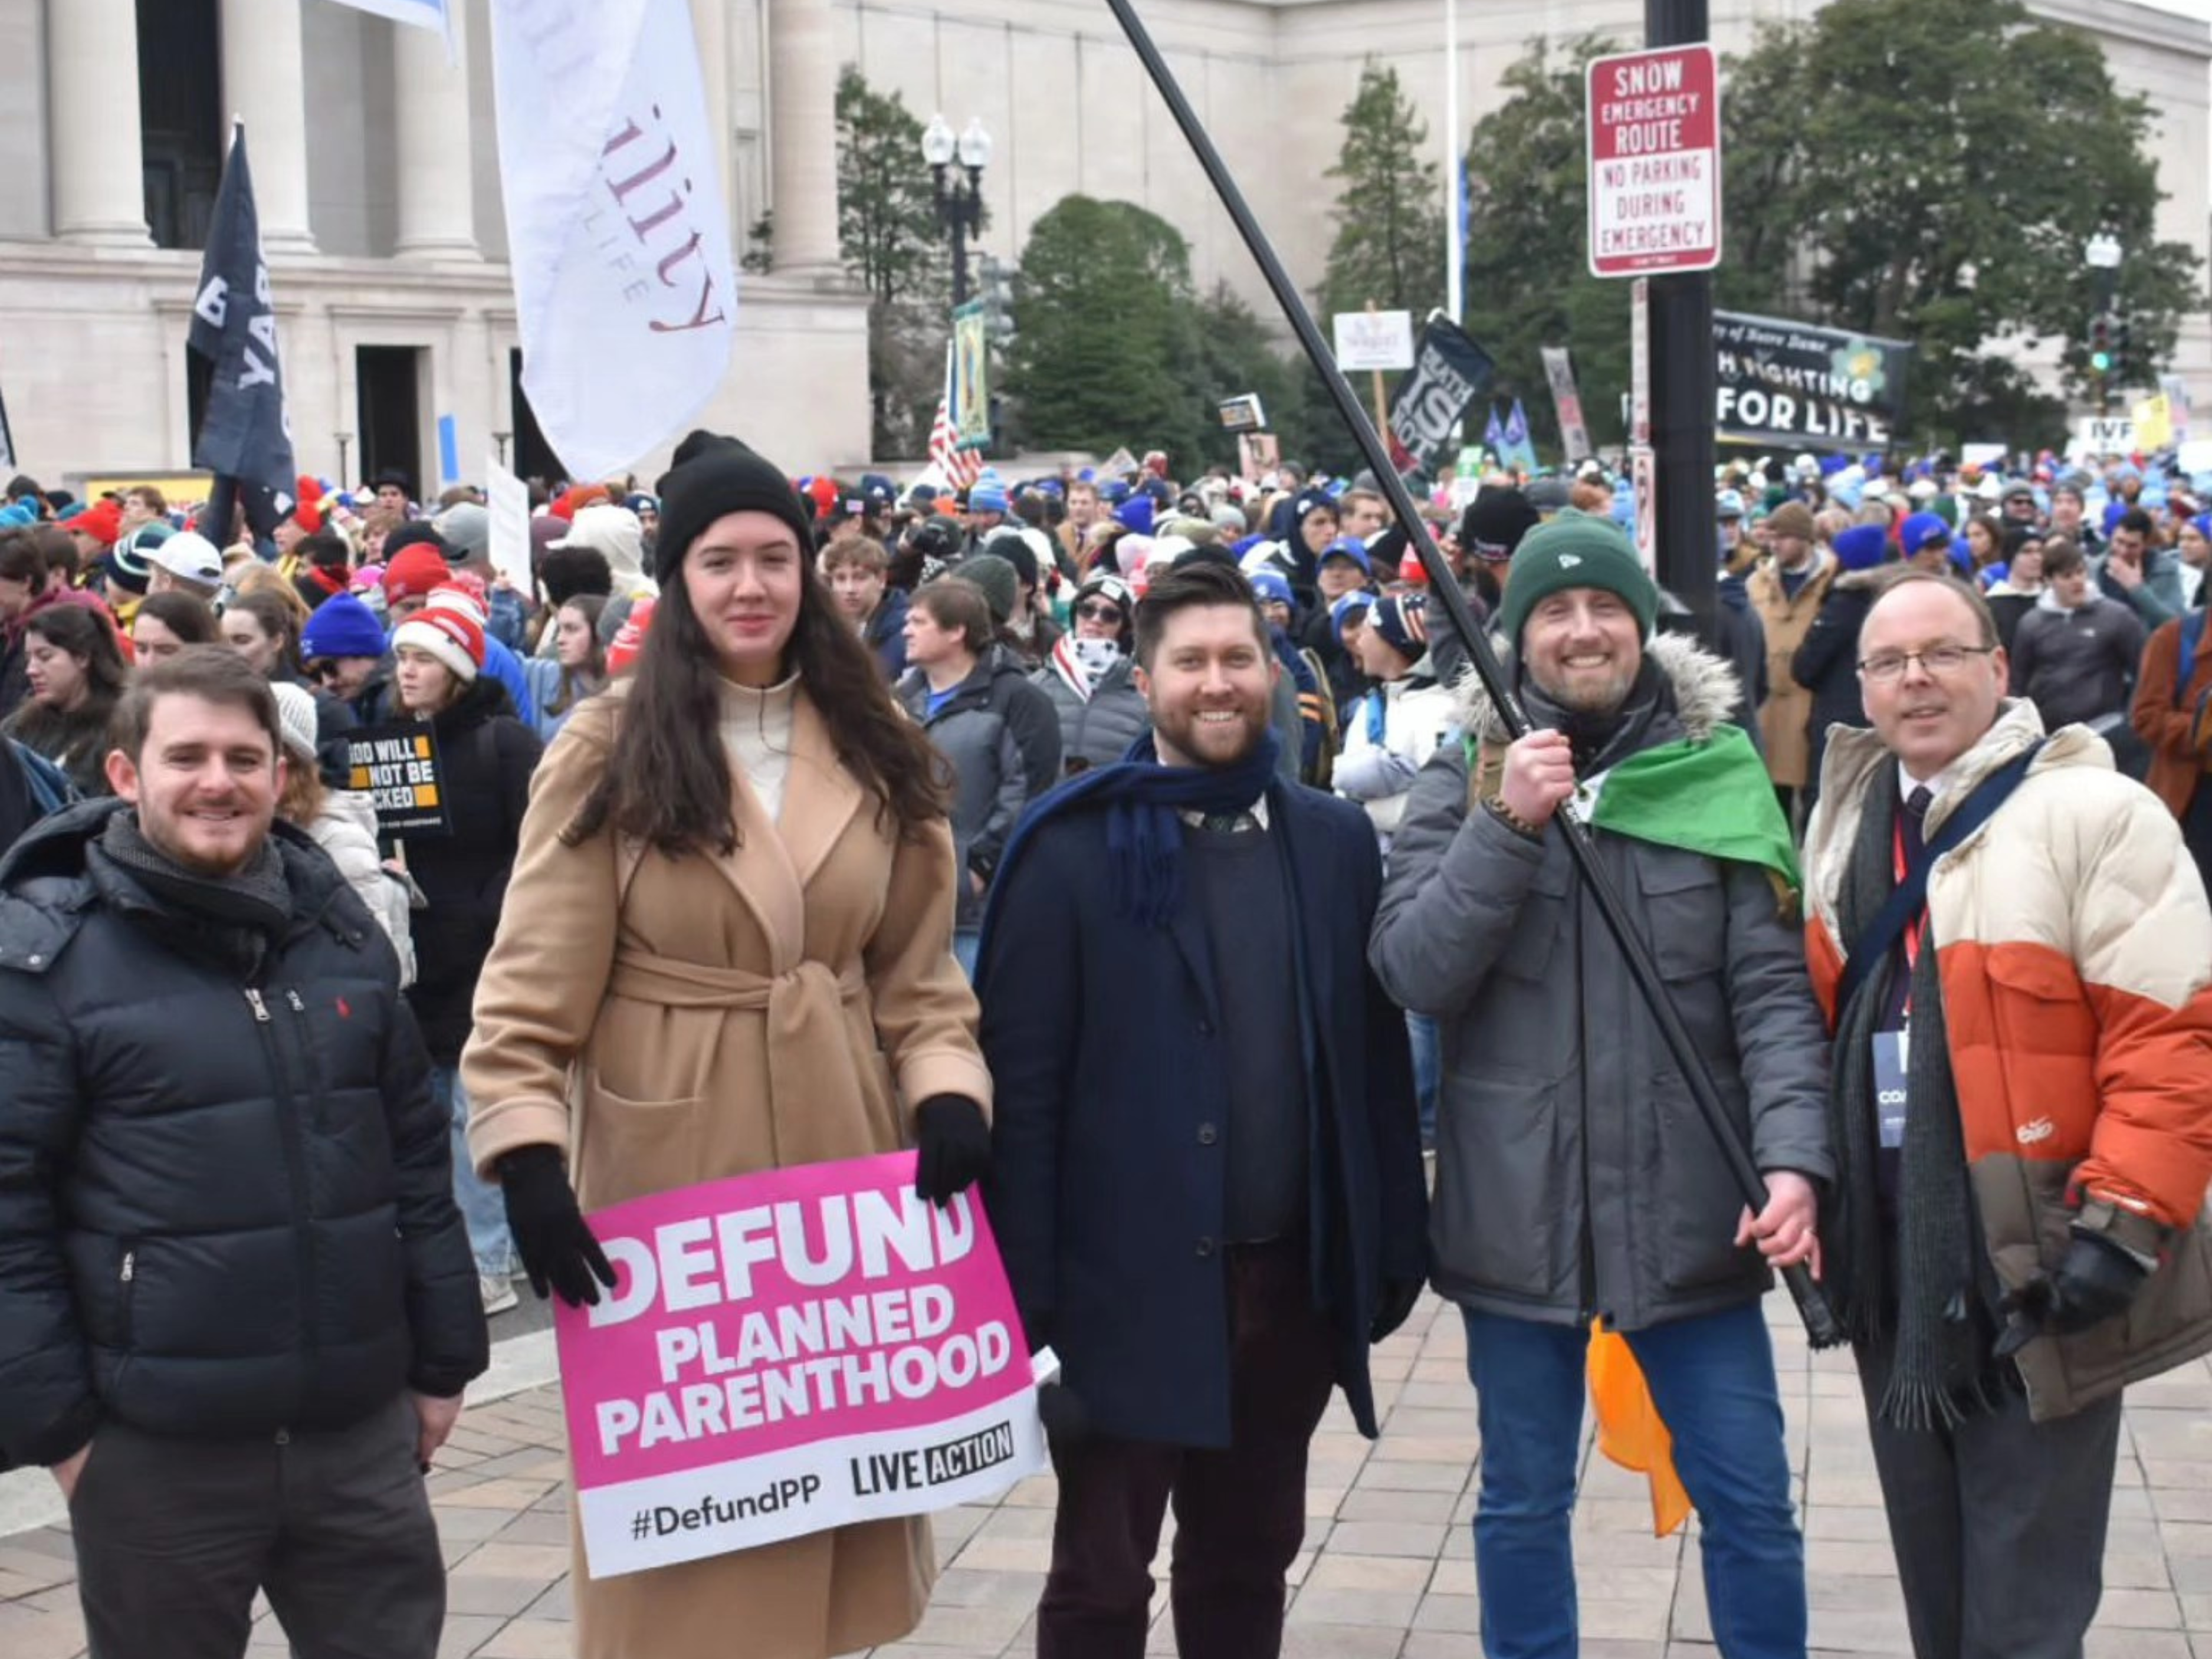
959, 203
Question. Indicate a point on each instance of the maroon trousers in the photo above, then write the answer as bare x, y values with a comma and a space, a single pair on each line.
1240, 1513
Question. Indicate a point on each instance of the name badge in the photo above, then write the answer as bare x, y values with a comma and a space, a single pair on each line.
1892, 1050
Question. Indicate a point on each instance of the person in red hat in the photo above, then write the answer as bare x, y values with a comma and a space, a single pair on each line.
415, 573
485, 757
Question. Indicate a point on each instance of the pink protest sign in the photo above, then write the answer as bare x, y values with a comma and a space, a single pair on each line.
788, 1352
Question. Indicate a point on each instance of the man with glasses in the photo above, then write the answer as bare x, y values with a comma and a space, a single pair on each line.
2012, 949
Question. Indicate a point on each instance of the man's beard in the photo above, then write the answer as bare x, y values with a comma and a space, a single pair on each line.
1588, 697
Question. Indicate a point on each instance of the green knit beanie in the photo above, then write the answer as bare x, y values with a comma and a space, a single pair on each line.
1575, 550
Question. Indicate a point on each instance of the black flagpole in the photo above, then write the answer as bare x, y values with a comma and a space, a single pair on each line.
1813, 1306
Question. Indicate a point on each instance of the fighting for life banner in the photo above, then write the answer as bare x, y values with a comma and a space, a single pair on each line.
787, 1351
1804, 386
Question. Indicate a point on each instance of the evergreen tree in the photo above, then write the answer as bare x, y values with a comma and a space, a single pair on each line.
1528, 276
1389, 213
1105, 331
890, 242
1901, 186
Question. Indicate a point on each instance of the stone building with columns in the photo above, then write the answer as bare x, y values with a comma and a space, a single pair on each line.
376, 173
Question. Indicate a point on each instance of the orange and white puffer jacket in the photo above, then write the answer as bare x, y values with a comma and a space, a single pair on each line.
2074, 945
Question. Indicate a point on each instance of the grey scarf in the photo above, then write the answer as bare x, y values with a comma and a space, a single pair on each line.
235, 918
1930, 1284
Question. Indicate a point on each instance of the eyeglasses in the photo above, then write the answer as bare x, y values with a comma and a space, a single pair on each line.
1886, 666
1099, 613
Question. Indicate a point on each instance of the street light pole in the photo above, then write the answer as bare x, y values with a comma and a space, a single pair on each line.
1682, 375
959, 204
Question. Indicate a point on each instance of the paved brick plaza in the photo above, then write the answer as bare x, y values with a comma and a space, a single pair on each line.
1389, 1573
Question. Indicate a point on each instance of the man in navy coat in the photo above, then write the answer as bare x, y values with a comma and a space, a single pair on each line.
1207, 1172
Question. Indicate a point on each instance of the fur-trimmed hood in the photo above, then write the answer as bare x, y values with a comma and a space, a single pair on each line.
1707, 690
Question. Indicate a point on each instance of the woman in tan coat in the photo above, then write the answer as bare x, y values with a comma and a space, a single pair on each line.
726, 947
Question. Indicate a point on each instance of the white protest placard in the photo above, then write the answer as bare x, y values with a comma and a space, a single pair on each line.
1373, 339
507, 505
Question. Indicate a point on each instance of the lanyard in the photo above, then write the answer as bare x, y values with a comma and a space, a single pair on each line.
1916, 930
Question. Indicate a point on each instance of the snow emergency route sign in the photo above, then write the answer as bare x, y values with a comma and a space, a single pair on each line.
1655, 162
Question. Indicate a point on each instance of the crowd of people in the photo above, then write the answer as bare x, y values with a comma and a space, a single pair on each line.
791, 822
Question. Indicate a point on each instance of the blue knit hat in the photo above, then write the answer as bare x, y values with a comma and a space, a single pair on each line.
1344, 607
1270, 584
1402, 620
1862, 547
988, 497
1347, 547
1135, 515
1919, 529
341, 627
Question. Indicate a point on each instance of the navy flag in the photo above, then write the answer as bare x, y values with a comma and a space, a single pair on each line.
244, 435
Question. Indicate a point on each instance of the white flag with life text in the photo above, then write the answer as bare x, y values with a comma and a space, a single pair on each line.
618, 236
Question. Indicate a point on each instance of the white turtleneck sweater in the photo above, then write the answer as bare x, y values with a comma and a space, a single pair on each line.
757, 728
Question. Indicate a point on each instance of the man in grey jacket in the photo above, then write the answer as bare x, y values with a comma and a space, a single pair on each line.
1575, 1179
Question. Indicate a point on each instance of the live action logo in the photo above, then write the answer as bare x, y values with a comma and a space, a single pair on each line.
933, 1466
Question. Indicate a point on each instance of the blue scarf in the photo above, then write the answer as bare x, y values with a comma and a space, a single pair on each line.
1144, 836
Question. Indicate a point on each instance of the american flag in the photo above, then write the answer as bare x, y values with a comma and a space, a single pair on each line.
956, 468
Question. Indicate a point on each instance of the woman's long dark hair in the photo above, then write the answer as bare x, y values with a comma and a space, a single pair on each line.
279, 623
667, 781
86, 634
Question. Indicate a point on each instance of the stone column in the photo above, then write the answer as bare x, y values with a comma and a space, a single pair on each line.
710, 25
437, 203
264, 83
98, 153
803, 135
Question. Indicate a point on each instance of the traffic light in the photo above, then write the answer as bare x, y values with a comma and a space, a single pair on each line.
997, 293
2120, 346
2101, 342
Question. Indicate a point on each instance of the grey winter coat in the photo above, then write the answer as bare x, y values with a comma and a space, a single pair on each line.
990, 786
1574, 1176
2077, 664
1097, 728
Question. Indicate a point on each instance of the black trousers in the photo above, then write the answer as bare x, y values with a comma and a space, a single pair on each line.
1998, 1523
1240, 1513
173, 1537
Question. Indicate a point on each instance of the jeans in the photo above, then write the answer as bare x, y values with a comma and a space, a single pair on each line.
964, 941
484, 1207
1428, 1071
1712, 1379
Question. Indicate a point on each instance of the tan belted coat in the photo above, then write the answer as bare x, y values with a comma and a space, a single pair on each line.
668, 1022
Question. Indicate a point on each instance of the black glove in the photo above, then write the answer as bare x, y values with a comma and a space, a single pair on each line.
550, 1235
953, 1143
2096, 1281
1066, 1424
1399, 1297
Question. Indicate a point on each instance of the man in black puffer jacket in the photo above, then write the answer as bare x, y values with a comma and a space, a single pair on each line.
236, 1304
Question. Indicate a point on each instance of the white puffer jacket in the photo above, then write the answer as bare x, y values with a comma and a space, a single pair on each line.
346, 830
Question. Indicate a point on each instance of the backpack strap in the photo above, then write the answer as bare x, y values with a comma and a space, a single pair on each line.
1910, 897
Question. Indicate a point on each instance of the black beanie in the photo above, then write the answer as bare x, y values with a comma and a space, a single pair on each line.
1494, 523
713, 475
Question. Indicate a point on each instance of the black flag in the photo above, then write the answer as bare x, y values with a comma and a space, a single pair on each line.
1451, 371
245, 437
